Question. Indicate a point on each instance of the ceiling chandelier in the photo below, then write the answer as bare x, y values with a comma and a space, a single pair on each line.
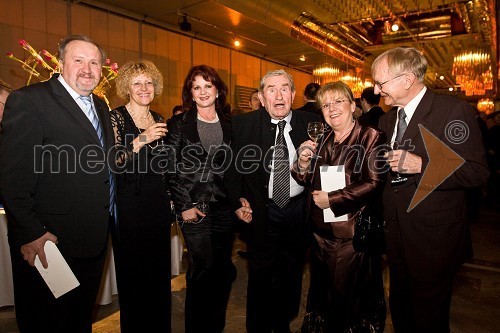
472, 70
329, 73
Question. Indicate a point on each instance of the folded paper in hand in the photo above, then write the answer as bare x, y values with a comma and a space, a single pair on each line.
58, 276
332, 178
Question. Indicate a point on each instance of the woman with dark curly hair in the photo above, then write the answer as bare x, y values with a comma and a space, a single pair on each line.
141, 242
200, 139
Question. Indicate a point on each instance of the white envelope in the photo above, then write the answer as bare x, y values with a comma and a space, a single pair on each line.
332, 178
58, 276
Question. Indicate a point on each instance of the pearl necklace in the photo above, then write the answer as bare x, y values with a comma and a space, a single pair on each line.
213, 121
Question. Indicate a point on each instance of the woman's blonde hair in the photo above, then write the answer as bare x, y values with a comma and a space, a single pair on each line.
133, 69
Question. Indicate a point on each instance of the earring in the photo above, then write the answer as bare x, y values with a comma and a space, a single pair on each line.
217, 95
193, 99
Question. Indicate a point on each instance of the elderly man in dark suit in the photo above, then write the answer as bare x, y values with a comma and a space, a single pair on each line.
272, 204
426, 244
56, 186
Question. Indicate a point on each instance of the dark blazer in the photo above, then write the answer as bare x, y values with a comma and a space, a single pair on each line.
193, 175
49, 178
310, 107
248, 176
372, 117
435, 234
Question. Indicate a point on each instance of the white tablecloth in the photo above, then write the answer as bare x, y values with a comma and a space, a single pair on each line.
108, 284
6, 286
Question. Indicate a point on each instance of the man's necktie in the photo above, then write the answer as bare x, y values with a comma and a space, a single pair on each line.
281, 178
91, 114
402, 125
89, 111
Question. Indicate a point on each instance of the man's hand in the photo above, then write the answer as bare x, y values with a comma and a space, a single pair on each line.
244, 213
36, 247
403, 161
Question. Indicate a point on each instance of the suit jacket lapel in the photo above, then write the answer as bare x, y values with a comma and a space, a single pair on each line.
267, 140
70, 106
295, 133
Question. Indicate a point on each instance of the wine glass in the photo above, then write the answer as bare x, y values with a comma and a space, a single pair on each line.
397, 179
315, 130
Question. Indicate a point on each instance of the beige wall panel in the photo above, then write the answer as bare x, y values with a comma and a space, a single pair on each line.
174, 47
116, 31
99, 27
148, 40
80, 20
10, 43
34, 15
131, 55
117, 55
131, 29
57, 17
15, 13
162, 42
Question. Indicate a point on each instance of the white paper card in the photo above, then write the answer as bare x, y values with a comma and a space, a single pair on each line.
58, 276
332, 178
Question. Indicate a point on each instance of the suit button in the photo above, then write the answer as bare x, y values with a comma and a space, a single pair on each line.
396, 191
270, 166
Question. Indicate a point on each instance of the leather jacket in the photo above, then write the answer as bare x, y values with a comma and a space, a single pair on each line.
195, 175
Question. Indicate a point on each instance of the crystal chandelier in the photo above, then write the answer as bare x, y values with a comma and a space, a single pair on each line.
472, 70
329, 73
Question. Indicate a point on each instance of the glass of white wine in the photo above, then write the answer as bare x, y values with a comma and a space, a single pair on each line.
315, 130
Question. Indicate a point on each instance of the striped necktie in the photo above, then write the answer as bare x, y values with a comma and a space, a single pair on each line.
281, 177
91, 114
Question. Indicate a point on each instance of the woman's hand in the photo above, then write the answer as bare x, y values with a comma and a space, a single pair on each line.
191, 215
152, 133
244, 213
321, 199
306, 152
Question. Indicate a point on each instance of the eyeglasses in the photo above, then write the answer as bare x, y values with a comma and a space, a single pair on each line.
380, 84
138, 85
336, 103
3, 103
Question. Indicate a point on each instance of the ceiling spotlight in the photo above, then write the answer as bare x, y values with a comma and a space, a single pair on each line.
184, 25
395, 27
237, 43
441, 77
302, 58
450, 89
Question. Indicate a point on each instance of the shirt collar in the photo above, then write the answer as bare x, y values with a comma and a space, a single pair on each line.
412, 105
70, 90
288, 118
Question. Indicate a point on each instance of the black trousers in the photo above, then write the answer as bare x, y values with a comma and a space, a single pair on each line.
211, 271
418, 306
38, 311
275, 274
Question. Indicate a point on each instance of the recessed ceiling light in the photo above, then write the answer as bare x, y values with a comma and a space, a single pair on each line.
237, 43
302, 58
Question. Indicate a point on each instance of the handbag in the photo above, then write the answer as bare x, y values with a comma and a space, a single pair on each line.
369, 235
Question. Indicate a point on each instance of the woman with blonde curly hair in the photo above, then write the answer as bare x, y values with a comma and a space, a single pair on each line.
141, 241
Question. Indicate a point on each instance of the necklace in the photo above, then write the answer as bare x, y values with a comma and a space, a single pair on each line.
213, 121
344, 135
133, 114
148, 123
